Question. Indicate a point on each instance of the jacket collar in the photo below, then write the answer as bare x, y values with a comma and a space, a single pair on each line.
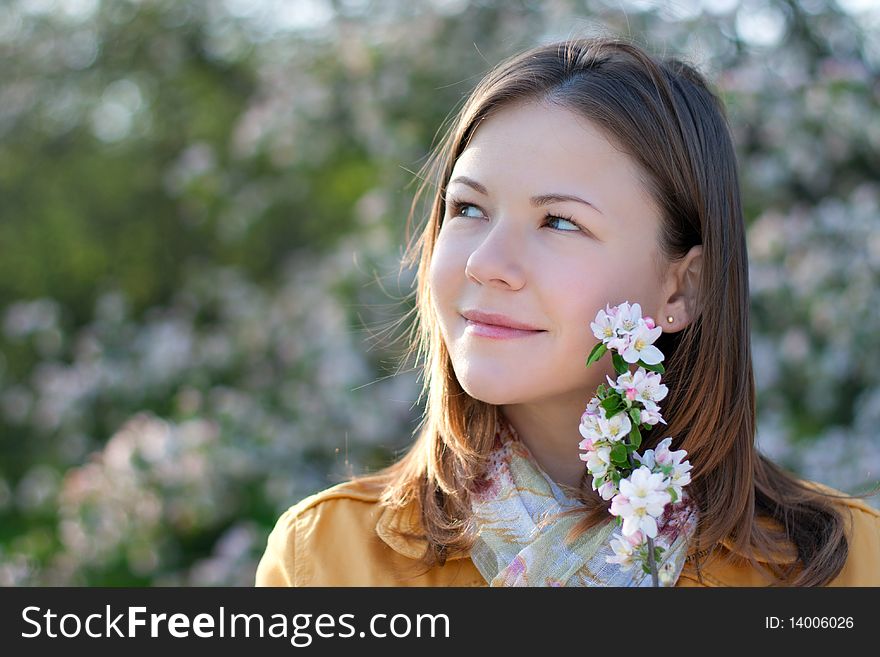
394, 521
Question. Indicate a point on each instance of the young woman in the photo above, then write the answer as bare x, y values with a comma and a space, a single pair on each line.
578, 175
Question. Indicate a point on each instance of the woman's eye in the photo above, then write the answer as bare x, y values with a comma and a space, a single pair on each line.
459, 209
551, 218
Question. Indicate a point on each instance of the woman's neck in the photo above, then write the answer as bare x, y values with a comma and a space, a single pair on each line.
551, 434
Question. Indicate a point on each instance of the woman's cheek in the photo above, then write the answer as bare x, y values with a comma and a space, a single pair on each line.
442, 280
450, 255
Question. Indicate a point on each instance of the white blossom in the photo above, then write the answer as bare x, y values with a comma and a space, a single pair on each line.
604, 326
641, 345
625, 549
607, 490
641, 501
641, 386
598, 460
651, 417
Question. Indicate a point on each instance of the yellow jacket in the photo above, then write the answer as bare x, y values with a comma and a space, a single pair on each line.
342, 537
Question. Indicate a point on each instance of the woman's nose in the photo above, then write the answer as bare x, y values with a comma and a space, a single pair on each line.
497, 259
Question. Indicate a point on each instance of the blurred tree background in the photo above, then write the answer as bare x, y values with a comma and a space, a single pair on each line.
202, 209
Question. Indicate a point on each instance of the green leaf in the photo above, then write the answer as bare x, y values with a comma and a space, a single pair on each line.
615, 476
618, 454
635, 415
620, 365
635, 436
611, 414
597, 353
610, 403
674, 495
654, 368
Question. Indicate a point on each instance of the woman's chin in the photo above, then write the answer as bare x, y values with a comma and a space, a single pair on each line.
495, 392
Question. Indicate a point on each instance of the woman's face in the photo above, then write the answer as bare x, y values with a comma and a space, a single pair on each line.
499, 252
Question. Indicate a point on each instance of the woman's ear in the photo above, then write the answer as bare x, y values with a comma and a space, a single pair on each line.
681, 289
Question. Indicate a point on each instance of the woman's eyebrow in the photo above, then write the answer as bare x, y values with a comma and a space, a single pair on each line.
537, 201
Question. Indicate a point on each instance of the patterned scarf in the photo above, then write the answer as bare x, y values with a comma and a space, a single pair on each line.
521, 543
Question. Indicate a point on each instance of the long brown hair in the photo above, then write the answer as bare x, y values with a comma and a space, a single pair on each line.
662, 113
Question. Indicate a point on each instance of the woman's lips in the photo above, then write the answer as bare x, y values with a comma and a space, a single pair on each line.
496, 332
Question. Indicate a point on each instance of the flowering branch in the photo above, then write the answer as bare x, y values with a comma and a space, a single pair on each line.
638, 485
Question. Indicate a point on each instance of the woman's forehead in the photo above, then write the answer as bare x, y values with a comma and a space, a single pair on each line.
537, 149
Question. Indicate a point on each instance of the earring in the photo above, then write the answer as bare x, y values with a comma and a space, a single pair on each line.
669, 319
